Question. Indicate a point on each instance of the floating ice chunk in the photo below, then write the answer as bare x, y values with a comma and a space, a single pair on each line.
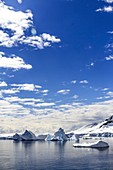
17, 137
98, 144
28, 136
60, 135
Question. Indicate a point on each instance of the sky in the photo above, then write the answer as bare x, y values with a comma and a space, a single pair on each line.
56, 64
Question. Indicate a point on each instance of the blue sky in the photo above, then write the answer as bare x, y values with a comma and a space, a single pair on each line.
56, 64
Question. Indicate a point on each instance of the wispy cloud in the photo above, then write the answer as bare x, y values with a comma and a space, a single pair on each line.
110, 57
44, 104
108, 1
105, 89
14, 62
110, 93
73, 81
22, 100
10, 91
75, 96
64, 91
110, 32
90, 65
25, 87
83, 82
105, 9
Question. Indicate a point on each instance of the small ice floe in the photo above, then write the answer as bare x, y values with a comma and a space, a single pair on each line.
98, 144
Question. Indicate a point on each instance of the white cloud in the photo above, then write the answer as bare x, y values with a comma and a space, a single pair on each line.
109, 1
109, 58
110, 93
3, 83
26, 87
7, 108
105, 9
83, 82
38, 86
110, 32
49, 119
109, 46
92, 64
45, 91
105, 89
65, 91
100, 98
14, 62
24, 101
44, 104
19, 1
40, 41
17, 25
47, 37
10, 91
75, 96
74, 81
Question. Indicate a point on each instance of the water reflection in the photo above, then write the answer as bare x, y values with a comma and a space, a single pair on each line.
52, 156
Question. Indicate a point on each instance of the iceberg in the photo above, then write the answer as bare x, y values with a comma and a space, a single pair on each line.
17, 137
49, 137
75, 137
41, 137
59, 135
98, 144
28, 136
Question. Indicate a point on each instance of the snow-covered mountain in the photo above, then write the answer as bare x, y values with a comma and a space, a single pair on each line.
104, 128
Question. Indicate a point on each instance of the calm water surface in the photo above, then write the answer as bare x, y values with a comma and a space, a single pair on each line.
53, 156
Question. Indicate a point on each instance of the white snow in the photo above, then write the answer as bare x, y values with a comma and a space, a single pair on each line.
104, 128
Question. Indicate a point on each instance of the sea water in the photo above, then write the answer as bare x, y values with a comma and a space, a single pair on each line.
53, 156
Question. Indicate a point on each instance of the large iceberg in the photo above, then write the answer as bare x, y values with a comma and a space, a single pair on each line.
28, 136
59, 135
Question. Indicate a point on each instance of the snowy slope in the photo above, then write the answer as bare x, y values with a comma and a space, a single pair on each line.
97, 128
